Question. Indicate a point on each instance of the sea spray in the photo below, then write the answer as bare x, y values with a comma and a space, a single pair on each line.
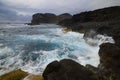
32, 48
94, 39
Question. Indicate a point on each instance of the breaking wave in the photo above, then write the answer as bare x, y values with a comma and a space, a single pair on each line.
35, 47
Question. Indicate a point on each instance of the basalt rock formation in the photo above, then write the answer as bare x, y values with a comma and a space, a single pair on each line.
109, 61
43, 18
39, 18
99, 15
67, 70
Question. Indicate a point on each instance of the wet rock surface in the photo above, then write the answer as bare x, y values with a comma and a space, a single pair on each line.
67, 70
110, 61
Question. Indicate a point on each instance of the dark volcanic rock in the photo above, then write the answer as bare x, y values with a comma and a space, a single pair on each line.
91, 19
67, 70
110, 61
92, 68
64, 16
112, 29
48, 18
43, 18
105, 14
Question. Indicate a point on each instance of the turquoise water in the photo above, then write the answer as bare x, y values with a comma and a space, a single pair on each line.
31, 48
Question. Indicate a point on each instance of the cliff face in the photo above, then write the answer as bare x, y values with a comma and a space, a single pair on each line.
105, 14
43, 18
100, 15
48, 18
109, 61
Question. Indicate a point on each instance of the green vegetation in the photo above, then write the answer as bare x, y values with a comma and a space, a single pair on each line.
65, 30
0, 68
14, 75
35, 77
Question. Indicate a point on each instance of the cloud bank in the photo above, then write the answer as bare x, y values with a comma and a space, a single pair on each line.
25, 8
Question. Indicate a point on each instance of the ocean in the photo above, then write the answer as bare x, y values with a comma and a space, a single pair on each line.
32, 48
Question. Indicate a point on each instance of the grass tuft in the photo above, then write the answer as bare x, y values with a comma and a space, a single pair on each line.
35, 77
14, 75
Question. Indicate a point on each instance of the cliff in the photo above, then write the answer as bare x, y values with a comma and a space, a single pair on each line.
48, 18
99, 15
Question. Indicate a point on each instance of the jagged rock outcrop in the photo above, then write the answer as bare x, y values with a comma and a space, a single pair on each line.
109, 61
67, 70
64, 16
43, 18
112, 29
48, 18
99, 15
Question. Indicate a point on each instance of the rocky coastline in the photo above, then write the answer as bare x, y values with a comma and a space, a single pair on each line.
104, 21
39, 18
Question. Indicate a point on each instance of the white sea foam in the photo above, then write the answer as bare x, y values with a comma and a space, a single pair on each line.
80, 51
29, 53
99, 39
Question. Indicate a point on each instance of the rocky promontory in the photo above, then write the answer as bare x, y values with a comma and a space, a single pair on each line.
39, 18
99, 15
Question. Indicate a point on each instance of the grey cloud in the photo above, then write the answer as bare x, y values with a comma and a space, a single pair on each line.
8, 14
23, 9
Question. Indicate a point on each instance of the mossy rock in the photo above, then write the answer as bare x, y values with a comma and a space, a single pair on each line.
1, 68
35, 77
65, 30
14, 75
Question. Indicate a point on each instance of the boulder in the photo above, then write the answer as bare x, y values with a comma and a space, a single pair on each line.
92, 68
67, 70
110, 61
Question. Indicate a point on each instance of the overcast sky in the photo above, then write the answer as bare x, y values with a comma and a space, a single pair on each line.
17, 10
